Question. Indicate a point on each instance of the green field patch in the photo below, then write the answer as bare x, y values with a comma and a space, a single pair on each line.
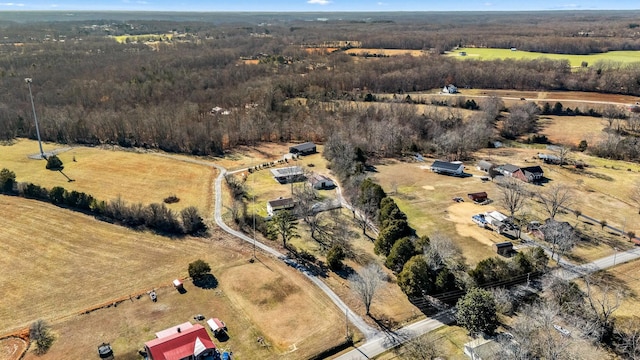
143, 38
622, 57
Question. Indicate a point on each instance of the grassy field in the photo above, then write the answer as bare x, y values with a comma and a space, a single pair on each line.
107, 174
570, 130
142, 38
384, 52
623, 57
74, 262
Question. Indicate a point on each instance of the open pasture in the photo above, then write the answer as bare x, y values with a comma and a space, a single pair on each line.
59, 263
142, 38
622, 57
570, 130
108, 174
426, 198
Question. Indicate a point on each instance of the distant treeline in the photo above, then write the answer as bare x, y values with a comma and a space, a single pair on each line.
155, 217
97, 91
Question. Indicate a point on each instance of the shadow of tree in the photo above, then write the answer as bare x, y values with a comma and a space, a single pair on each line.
207, 281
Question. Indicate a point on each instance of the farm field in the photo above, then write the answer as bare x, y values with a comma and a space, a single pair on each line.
624, 57
142, 37
108, 174
107, 255
570, 130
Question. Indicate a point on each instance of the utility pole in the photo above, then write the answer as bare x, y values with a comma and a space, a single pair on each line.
35, 118
254, 215
346, 322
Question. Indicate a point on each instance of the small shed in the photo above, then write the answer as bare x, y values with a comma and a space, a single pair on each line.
177, 283
217, 326
303, 149
503, 248
320, 182
478, 196
484, 166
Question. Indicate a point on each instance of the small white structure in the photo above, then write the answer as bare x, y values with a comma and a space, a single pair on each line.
217, 326
320, 182
174, 330
450, 89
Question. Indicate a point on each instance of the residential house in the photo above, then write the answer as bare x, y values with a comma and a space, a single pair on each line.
320, 182
533, 173
450, 89
447, 168
527, 174
279, 204
482, 349
549, 158
303, 149
184, 341
288, 174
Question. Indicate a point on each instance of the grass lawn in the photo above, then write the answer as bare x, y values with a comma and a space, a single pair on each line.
107, 174
426, 198
449, 340
75, 262
628, 275
570, 130
623, 57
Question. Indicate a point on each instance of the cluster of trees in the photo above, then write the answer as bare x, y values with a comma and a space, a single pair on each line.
106, 92
156, 217
495, 270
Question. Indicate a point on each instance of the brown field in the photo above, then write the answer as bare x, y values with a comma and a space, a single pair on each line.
385, 52
563, 96
628, 275
570, 130
320, 50
77, 262
11, 348
426, 199
107, 174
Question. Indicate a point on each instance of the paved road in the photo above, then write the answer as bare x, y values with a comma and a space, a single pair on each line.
388, 340
368, 331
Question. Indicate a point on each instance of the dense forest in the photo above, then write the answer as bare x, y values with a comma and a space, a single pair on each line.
196, 94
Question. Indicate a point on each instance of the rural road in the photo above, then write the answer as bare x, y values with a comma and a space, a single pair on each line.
368, 331
550, 100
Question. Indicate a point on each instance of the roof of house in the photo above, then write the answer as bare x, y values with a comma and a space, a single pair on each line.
503, 244
548, 157
316, 178
446, 165
304, 146
287, 171
179, 345
281, 202
484, 164
533, 169
174, 330
510, 168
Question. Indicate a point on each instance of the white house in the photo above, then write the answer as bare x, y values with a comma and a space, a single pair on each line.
279, 204
450, 89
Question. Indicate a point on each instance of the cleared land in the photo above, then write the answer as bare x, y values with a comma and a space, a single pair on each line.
143, 37
106, 174
72, 262
623, 57
570, 130
384, 52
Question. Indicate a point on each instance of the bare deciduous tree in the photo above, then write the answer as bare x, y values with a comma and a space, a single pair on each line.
366, 283
603, 299
563, 154
555, 199
628, 335
513, 195
560, 235
425, 347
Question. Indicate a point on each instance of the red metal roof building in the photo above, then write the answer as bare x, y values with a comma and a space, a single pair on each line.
182, 343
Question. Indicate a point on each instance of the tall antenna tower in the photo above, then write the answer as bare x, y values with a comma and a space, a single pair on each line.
35, 117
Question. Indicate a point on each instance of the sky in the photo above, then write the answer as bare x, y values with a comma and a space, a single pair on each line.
316, 5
